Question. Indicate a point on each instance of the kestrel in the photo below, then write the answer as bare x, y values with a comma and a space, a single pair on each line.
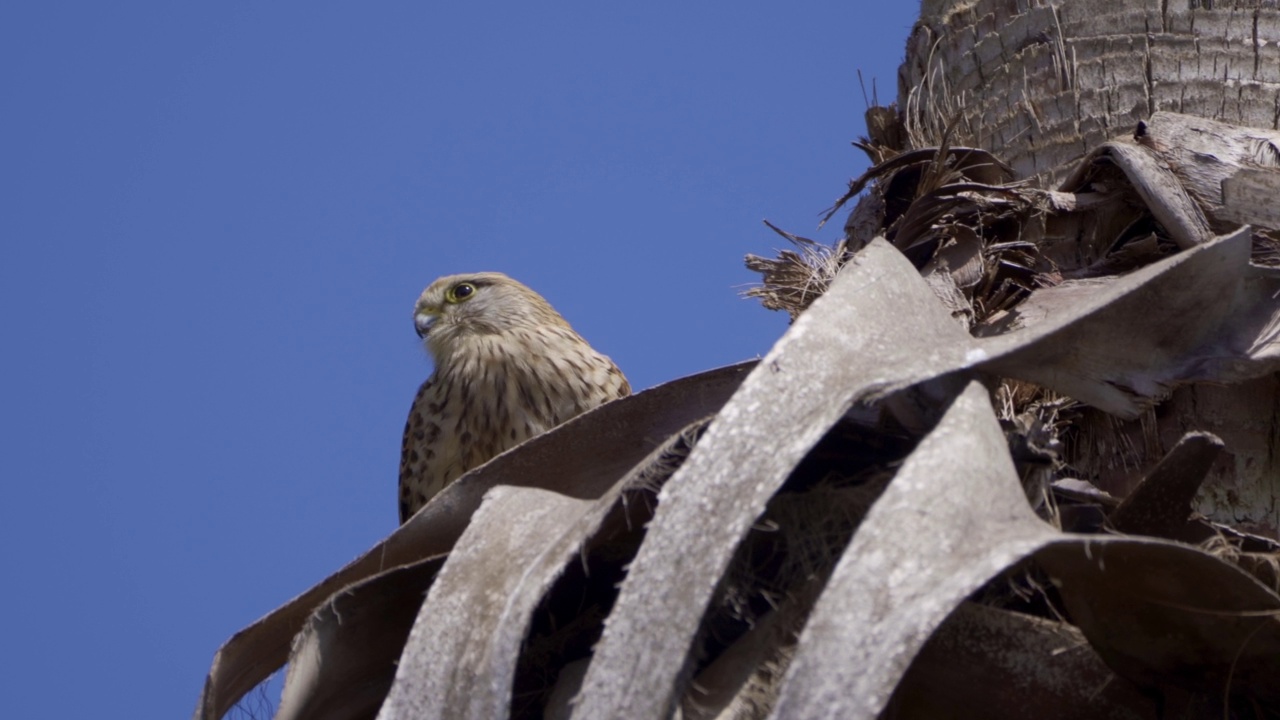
507, 367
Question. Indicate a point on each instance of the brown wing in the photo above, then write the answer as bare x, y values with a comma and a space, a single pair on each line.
621, 388
420, 430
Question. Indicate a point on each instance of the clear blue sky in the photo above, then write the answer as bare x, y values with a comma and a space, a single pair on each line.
217, 216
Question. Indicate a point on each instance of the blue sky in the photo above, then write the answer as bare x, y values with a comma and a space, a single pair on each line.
216, 220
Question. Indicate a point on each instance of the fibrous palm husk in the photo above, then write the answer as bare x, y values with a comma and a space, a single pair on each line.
1133, 202
986, 249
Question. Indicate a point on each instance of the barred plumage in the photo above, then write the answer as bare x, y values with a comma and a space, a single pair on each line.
507, 367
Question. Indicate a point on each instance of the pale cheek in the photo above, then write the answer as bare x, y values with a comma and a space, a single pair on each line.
437, 345
446, 340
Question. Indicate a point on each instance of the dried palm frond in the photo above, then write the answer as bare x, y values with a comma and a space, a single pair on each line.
795, 278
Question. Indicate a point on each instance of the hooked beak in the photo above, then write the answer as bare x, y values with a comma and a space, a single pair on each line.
422, 323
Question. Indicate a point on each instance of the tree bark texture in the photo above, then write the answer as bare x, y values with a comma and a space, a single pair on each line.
1045, 82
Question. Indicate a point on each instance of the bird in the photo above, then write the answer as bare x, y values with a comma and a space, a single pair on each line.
507, 367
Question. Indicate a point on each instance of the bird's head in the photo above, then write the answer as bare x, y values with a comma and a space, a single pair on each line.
458, 308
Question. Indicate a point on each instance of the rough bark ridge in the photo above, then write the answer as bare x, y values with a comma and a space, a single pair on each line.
1046, 82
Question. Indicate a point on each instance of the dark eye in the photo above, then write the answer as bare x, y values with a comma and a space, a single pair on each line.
461, 292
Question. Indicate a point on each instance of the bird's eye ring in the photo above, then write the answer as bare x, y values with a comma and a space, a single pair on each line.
460, 292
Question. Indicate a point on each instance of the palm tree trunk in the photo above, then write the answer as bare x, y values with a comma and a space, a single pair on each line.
1041, 85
